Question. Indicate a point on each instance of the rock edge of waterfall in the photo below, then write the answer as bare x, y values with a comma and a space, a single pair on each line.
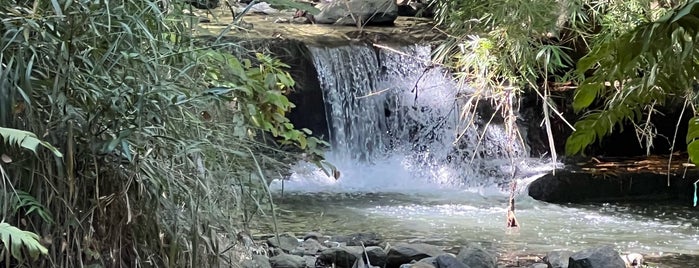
370, 250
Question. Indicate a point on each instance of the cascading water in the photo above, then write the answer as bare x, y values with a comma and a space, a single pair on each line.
394, 119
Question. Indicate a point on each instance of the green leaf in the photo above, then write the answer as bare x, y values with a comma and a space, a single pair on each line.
26, 140
693, 129
585, 95
15, 239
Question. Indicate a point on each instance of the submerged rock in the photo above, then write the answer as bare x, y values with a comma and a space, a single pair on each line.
475, 256
558, 258
405, 253
597, 257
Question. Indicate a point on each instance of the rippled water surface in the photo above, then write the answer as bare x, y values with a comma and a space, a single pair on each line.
450, 218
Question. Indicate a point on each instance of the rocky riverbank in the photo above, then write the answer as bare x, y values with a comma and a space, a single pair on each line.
369, 250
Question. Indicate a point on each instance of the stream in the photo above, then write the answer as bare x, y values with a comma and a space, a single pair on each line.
412, 172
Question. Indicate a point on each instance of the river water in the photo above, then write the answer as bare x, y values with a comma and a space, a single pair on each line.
412, 173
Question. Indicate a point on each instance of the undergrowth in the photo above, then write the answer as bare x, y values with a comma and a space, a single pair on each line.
162, 145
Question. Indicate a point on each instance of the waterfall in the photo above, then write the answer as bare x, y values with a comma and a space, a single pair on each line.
393, 119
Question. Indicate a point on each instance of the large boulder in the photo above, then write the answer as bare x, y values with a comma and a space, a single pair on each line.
598, 257
405, 253
475, 256
353, 12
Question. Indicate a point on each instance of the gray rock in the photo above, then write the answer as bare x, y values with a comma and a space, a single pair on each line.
287, 261
310, 261
359, 239
286, 242
405, 253
341, 256
312, 235
597, 257
377, 257
417, 265
539, 265
258, 261
444, 261
558, 258
312, 247
474, 256
366, 11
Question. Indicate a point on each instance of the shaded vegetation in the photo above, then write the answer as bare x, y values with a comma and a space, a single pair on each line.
163, 146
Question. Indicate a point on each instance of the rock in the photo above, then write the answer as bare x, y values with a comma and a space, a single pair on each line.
377, 257
475, 256
287, 261
558, 258
633, 260
417, 265
444, 261
359, 239
312, 235
368, 12
312, 247
598, 257
539, 265
413, 8
258, 261
341, 256
310, 260
405, 253
286, 242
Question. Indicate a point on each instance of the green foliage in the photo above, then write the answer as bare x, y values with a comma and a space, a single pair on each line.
514, 45
155, 132
26, 140
653, 63
14, 239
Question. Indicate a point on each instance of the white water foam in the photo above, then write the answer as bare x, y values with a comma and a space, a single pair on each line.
393, 120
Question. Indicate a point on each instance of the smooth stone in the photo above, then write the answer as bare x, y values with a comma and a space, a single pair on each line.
445, 261
405, 253
286, 242
341, 256
257, 261
417, 265
377, 256
287, 261
475, 256
597, 257
359, 239
558, 258
539, 265
370, 12
312, 235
